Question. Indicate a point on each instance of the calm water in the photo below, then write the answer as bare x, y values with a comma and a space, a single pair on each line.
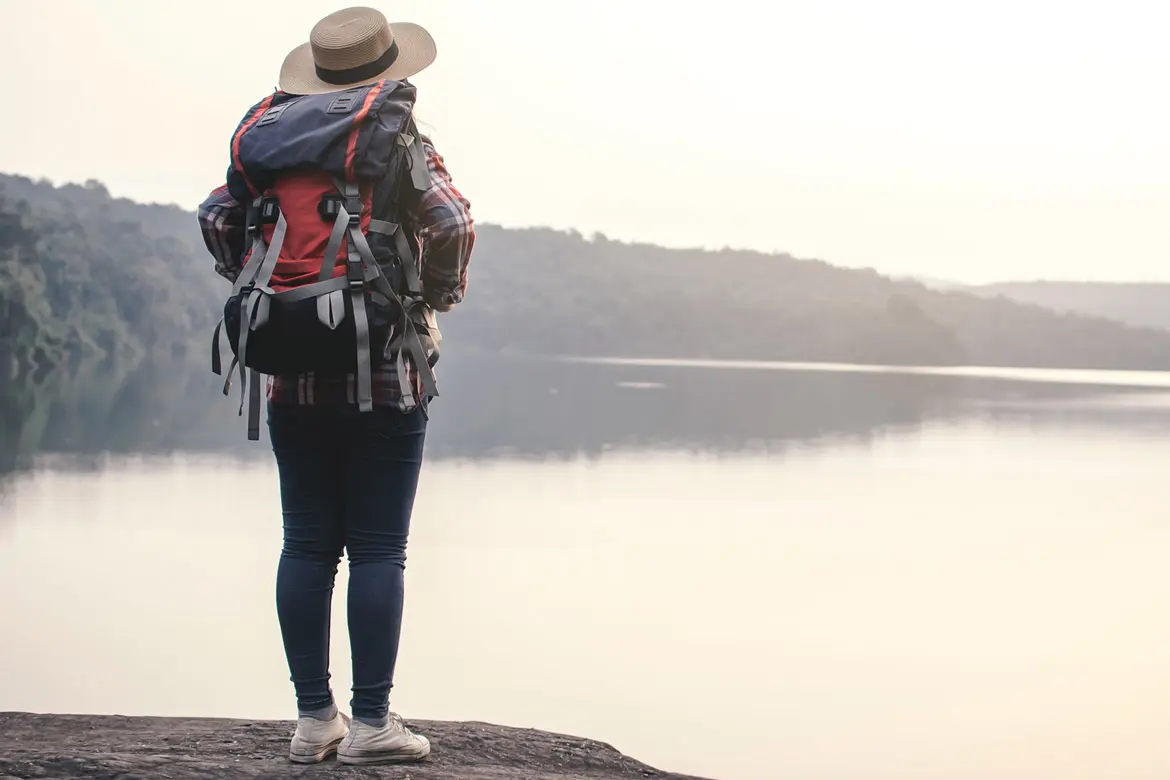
737, 572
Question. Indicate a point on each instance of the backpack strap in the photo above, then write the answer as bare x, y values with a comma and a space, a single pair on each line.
349, 217
253, 282
407, 339
329, 259
402, 249
216, 362
420, 172
246, 276
361, 267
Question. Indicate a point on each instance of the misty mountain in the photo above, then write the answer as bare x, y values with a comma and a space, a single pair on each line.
83, 274
932, 282
1144, 305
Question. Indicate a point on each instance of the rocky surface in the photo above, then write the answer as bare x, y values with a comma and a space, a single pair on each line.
61, 747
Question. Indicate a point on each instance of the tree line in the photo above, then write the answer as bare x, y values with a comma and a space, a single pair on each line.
85, 276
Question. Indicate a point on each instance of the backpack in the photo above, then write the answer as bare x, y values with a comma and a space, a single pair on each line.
326, 287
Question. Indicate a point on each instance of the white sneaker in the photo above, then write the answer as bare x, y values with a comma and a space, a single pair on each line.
315, 740
392, 744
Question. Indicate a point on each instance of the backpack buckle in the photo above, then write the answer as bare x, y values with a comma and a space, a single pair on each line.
329, 206
353, 207
356, 275
269, 210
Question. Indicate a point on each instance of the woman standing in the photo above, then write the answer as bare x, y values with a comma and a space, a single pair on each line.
347, 476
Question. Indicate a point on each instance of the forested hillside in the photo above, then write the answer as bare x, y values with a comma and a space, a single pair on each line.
1141, 304
83, 274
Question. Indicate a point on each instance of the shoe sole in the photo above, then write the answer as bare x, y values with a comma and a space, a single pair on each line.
382, 758
317, 757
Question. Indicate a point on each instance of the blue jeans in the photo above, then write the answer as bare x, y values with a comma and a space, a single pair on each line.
347, 482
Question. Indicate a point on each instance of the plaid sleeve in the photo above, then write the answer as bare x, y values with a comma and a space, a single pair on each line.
448, 235
221, 218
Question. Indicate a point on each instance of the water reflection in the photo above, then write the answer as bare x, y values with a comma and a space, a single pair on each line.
543, 409
983, 596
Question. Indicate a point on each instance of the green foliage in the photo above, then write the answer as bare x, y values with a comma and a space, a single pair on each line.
84, 275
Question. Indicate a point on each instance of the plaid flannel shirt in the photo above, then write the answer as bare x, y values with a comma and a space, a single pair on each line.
445, 235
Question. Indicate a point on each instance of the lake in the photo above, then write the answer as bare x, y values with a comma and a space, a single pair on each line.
731, 570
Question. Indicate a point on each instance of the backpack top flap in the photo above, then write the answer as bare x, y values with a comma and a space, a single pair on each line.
349, 135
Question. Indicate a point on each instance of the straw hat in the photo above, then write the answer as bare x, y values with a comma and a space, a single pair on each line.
352, 47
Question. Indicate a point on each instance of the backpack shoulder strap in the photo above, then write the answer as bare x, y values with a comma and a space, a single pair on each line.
420, 174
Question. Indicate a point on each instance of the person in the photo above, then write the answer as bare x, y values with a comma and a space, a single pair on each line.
348, 477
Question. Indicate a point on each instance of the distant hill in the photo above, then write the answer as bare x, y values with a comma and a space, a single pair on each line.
83, 274
931, 282
1145, 305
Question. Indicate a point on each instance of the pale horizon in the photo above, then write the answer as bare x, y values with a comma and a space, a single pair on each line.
1022, 141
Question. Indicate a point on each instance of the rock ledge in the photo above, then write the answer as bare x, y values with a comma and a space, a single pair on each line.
65, 747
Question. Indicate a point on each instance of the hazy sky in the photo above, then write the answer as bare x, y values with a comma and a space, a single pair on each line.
972, 141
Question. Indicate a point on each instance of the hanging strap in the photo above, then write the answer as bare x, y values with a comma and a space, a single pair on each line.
408, 339
254, 307
259, 252
253, 294
361, 322
216, 363
227, 384
256, 256
246, 275
412, 342
350, 215
254, 401
401, 248
381, 284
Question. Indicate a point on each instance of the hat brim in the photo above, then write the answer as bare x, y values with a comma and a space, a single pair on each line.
416, 51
